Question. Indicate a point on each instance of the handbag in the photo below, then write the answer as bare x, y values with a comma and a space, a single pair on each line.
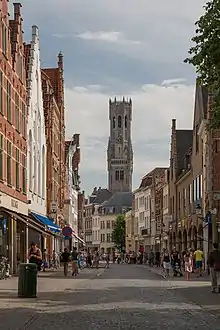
217, 266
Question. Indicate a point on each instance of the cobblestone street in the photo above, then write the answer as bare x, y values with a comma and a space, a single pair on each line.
122, 297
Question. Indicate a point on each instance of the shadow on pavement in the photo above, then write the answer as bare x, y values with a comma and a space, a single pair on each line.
116, 308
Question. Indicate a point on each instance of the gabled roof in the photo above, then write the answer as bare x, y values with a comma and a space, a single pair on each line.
101, 196
119, 199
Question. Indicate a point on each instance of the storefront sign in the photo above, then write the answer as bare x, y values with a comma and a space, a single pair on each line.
13, 204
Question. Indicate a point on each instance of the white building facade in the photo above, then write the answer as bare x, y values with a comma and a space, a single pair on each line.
71, 197
96, 227
36, 157
166, 217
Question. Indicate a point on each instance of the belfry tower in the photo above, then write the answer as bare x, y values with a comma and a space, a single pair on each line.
120, 153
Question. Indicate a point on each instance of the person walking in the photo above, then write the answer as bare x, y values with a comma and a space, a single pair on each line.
199, 257
166, 263
214, 265
74, 256
188, 263
65, 259
107, 258
35, 256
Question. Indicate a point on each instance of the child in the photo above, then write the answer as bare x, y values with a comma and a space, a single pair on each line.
188, 260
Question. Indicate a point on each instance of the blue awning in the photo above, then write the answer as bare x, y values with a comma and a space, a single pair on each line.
47, 222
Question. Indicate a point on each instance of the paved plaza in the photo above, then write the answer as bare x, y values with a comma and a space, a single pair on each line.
121, 297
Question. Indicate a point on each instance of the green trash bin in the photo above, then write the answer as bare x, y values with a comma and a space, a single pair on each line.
27, 281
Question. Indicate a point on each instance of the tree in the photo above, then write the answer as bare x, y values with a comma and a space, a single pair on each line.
118, 234
205, 56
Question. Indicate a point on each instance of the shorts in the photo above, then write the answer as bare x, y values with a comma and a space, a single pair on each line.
166, 265
198, 264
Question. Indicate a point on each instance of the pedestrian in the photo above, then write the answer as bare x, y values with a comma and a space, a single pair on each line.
199, 257
188, 263
65, 259
166, 263
214, 264
35, 256
89, 260
74, 257
107, 258
44, 261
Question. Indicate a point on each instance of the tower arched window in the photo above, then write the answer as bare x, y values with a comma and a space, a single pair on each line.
126, 121
119, 121
113, 122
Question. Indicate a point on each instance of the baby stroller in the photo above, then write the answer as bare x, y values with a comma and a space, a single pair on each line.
177, 270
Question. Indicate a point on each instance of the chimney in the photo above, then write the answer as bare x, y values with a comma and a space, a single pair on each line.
60, 61
173, 124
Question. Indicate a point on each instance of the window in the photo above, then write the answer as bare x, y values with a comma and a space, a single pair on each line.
1, 157
119, 121
190, 194
8, 101
108, 238
117, 175
102, 238
121, 175
108, 225
20, 66
113, 122
1, 92
43, 172
9, 163
17, 170
23, 122
24, 175
17, 113
197, 138
4, 39
126, 121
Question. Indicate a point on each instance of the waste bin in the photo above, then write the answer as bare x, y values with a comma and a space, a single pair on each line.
27, 281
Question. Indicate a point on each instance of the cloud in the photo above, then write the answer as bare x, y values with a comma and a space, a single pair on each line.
113, 36
176, 81
136, 50
154, 106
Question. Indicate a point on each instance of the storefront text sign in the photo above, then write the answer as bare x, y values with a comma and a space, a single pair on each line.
14, 203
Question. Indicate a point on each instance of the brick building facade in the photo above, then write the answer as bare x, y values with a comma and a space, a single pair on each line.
53, 98
13, 133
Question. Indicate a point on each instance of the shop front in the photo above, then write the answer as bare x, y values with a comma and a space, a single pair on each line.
53, 233
13, 242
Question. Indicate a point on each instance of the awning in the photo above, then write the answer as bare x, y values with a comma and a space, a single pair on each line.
47, 222
79, 239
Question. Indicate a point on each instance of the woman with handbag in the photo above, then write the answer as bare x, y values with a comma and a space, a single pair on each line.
35, 256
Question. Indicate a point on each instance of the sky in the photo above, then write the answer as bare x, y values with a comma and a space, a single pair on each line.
131, 48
